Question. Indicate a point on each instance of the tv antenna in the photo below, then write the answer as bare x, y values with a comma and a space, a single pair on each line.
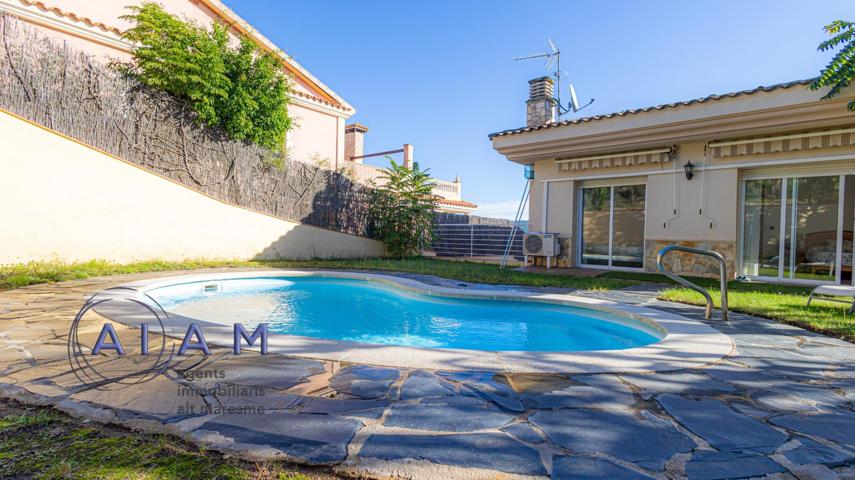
553, 58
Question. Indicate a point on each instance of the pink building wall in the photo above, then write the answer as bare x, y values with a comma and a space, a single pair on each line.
94, 27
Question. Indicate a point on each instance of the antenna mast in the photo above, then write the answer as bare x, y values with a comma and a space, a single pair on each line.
553, 57
556, 54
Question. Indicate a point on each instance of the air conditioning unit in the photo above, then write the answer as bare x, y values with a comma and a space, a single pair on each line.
536, 244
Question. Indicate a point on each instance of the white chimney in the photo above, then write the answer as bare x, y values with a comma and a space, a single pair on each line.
354, 142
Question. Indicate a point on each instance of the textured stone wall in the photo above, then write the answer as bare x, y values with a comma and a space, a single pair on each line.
679, 262
684, 263
540, 107
539, 111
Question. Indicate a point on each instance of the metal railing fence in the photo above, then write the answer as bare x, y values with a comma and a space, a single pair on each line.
475, 240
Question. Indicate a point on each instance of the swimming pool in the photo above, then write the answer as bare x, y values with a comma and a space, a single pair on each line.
367, 312
217, 300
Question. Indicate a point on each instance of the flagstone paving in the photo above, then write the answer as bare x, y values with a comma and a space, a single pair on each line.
780, 407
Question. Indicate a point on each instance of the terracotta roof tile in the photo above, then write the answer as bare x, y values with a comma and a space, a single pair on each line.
455, 203
72, 16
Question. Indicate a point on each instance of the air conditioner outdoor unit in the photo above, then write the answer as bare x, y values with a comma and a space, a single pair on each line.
536, 244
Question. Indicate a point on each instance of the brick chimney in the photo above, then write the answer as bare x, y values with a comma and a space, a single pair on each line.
408, 156
540, 106
354, 146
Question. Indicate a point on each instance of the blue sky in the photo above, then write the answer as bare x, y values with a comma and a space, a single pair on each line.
439, 74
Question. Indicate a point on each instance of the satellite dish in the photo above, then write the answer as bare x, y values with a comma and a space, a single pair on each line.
574, 102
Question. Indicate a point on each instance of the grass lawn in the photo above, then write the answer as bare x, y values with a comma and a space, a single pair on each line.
784, 303
39, 442
14, 276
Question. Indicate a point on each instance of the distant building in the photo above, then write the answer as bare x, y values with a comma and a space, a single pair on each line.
448, 193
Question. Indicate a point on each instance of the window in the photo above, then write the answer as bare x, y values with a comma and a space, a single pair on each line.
612, 226
797, 228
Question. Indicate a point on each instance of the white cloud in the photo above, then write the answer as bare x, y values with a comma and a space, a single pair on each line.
504, 209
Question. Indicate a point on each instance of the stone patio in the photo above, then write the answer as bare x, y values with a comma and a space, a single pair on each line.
782, 406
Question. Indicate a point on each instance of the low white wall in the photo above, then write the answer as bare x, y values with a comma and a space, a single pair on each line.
65, 201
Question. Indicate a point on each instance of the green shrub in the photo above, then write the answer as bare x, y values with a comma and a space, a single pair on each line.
238, 89
401, 209
840, 71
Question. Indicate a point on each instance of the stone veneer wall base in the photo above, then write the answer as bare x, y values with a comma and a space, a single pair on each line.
684, 263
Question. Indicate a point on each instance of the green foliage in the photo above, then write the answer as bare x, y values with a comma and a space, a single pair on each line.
840, 71
402, 209
780, 303
38, 442
238, 89
257, 106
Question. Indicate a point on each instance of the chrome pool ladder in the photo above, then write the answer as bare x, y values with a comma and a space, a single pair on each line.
686, 283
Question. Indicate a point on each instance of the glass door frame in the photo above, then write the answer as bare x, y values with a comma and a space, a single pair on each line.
580, 223
786, 226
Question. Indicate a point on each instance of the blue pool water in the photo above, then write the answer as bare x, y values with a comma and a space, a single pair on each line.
369, 312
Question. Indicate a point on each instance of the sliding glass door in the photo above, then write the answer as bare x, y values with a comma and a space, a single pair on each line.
795, 229
612, 226
761, 231
596, 222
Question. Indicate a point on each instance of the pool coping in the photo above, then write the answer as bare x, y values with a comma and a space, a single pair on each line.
687, 343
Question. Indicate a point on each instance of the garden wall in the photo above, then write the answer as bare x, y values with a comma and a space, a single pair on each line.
49, 83
67, 201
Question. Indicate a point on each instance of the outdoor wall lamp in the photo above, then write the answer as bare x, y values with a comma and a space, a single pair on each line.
689, 168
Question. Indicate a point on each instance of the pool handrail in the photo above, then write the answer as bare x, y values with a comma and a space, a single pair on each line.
682, 281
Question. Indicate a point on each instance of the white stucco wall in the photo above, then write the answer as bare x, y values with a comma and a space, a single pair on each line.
63, 200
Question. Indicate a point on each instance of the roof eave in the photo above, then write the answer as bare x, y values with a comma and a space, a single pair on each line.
553, 143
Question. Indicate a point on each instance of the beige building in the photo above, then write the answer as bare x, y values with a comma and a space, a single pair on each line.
764, 176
